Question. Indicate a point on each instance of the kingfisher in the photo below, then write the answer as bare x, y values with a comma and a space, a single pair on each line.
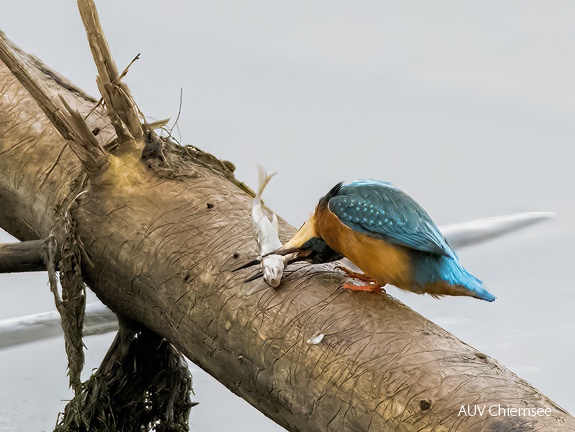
389, 236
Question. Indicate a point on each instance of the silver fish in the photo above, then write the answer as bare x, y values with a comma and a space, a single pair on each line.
267, 235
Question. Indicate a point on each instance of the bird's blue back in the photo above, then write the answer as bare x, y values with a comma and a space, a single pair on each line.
380, 210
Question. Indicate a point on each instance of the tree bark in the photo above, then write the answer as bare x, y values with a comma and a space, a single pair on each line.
159, 236
22, 257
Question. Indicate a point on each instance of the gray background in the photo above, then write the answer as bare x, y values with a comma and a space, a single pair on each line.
467, 106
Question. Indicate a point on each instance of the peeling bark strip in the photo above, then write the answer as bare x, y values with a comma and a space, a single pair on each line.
158, 250
121, 107
63, 248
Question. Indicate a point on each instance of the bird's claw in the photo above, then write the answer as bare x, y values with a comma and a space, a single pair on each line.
375, 288
355, 275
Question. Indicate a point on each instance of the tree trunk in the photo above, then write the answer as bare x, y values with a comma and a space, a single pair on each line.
159, 237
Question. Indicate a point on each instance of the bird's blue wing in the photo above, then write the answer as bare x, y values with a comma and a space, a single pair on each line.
380, 210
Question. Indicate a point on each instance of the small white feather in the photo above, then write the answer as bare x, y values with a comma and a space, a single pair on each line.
315, 339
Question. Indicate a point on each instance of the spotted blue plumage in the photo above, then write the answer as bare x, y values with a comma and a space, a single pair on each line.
380, 210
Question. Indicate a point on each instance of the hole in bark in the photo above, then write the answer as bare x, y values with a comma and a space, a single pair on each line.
210, 205
236, 255
424, 404
96, 131
186, 277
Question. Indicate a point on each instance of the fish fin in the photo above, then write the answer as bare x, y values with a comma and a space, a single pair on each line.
275, 222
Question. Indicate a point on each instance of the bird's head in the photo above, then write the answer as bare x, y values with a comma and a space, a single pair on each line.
324, 200
307, 245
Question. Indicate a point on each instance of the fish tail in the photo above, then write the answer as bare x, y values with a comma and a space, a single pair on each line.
263, 180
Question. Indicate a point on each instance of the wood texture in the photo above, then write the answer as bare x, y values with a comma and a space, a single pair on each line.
22, 257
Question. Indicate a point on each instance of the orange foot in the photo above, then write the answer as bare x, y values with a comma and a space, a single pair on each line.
354, 275
375, 287
372, 286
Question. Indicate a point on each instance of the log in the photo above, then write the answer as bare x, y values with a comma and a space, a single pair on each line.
22, 257
159, 236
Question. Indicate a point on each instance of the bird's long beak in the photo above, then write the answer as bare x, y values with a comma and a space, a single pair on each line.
305, 233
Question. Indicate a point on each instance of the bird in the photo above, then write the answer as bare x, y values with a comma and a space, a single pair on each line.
389, 236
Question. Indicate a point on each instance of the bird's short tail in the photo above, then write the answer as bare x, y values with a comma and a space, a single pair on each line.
455, 273
450, 278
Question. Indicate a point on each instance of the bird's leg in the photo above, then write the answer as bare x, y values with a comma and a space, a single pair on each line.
372, 286
355, 275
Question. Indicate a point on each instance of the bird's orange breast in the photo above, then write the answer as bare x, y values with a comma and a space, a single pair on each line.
383, 261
